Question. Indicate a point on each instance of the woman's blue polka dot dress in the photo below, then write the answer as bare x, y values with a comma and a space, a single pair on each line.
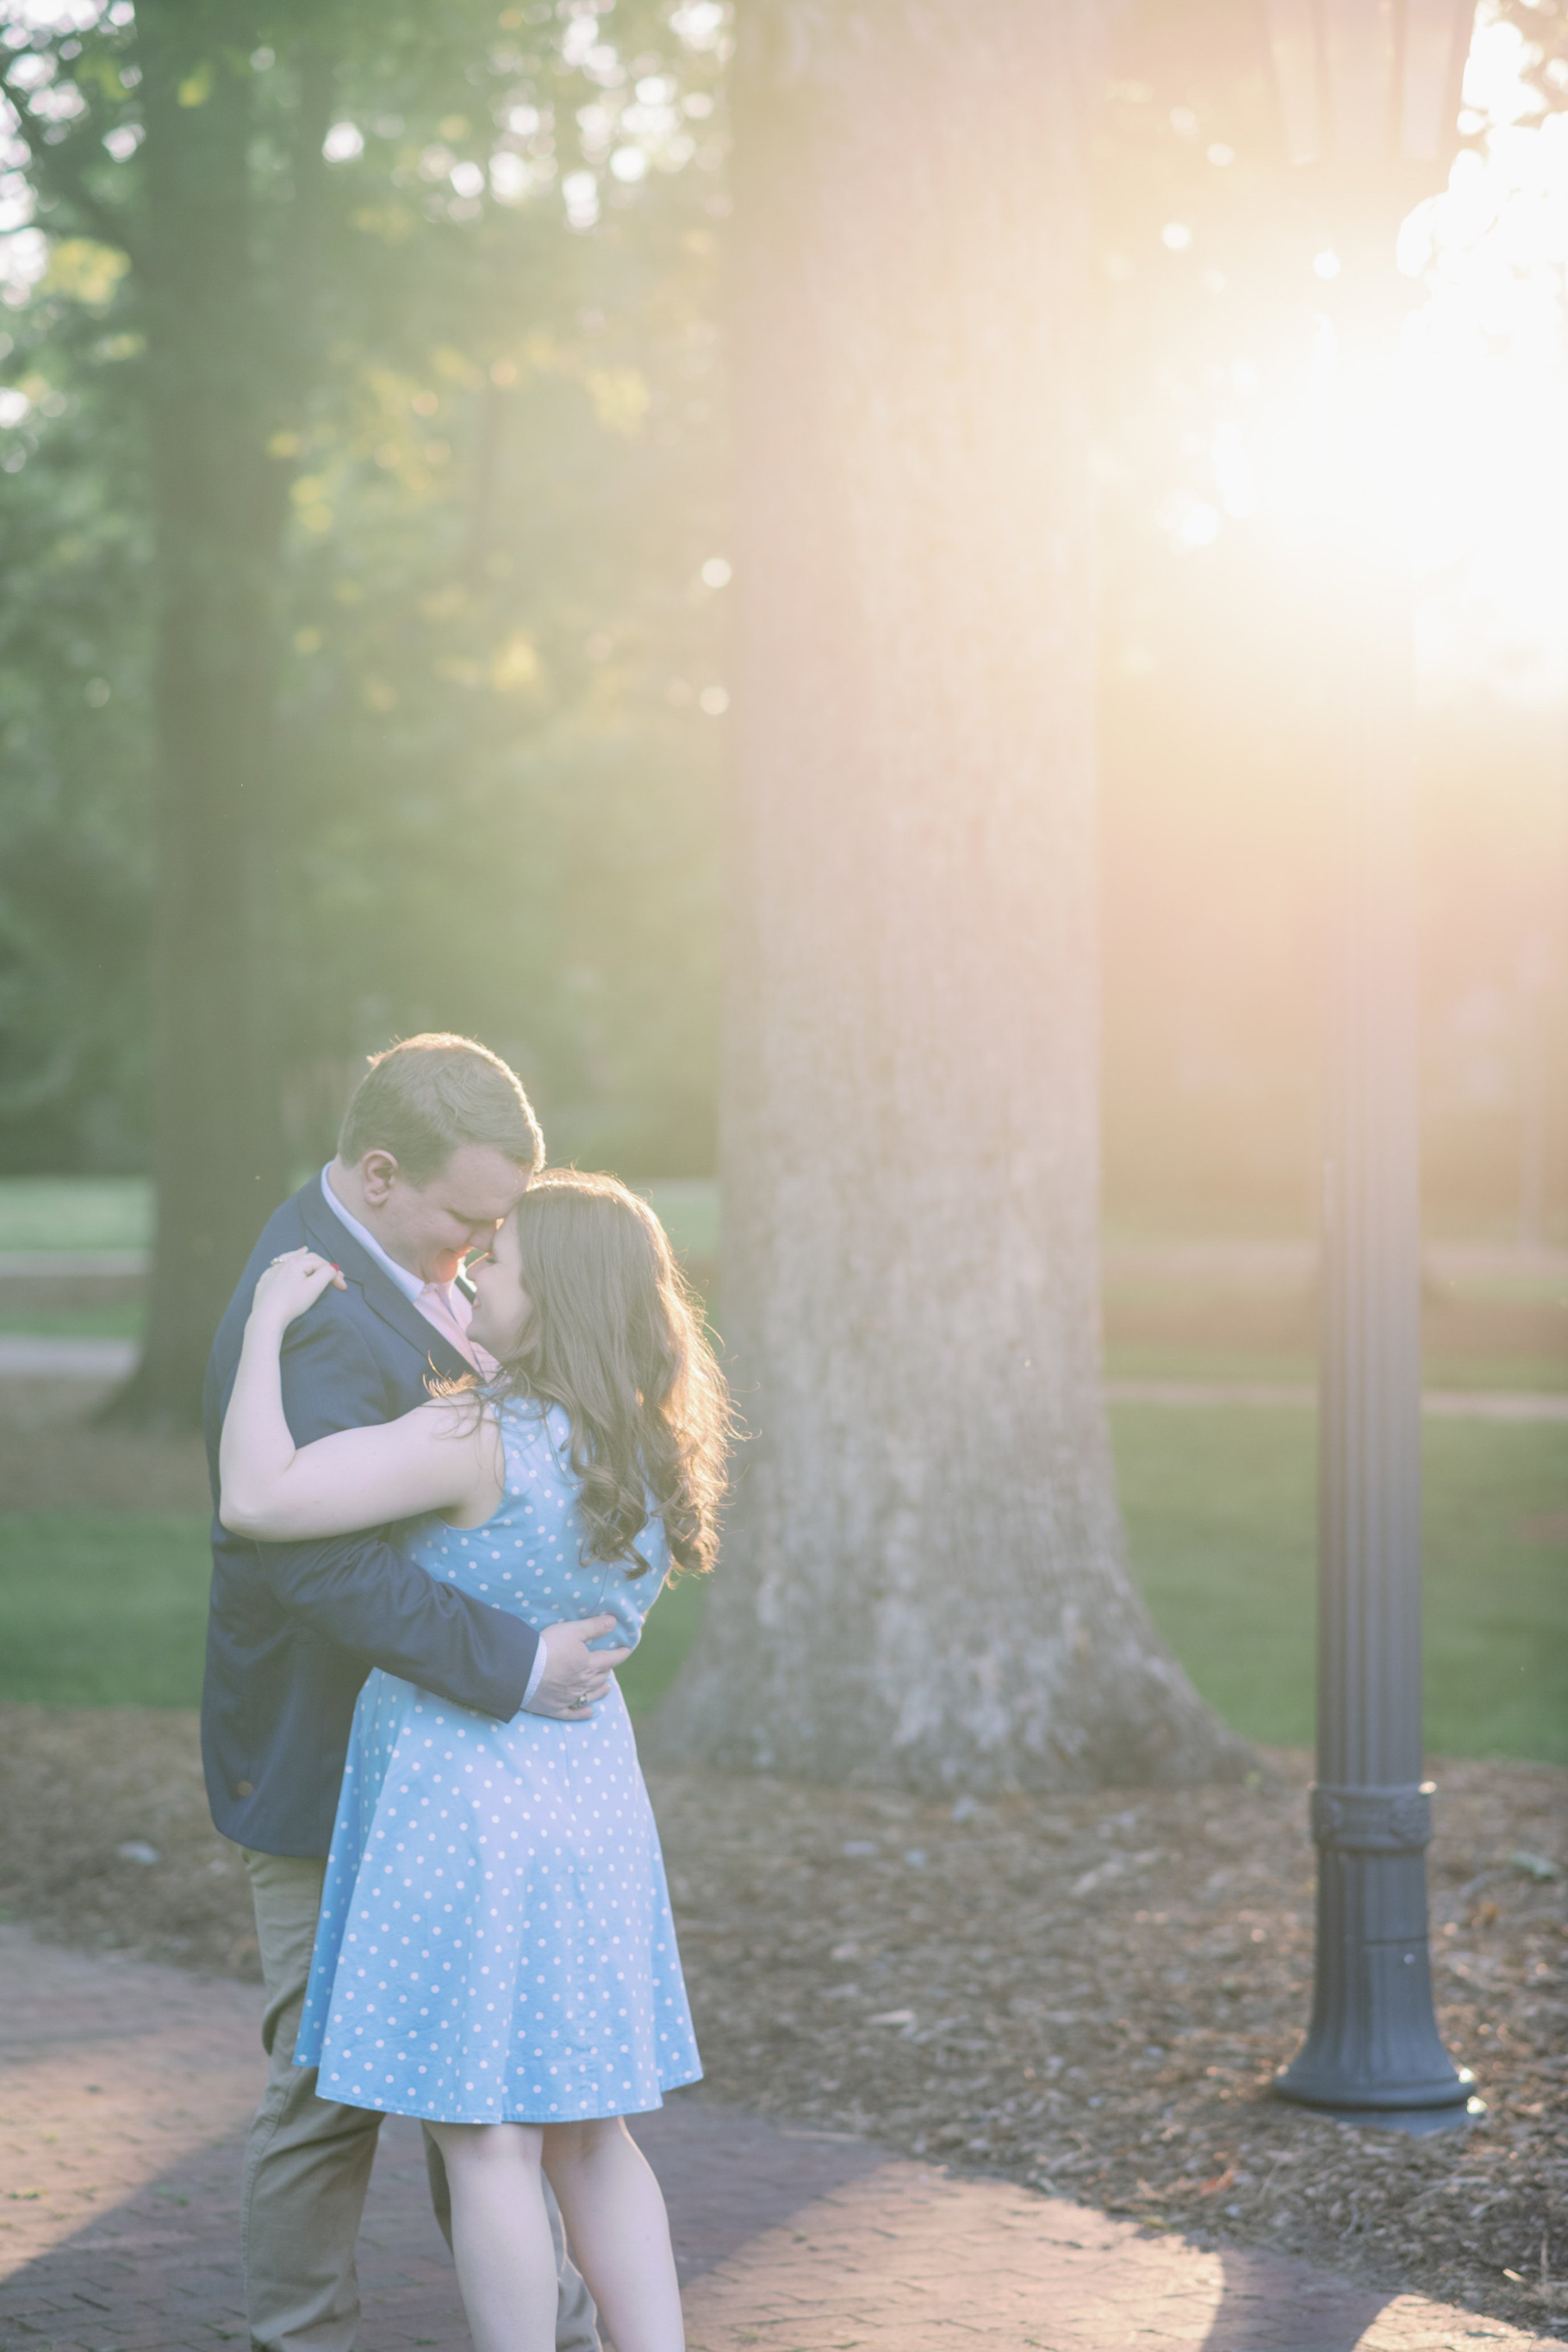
495, 1942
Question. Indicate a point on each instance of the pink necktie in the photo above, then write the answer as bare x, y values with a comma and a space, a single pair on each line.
447, 1308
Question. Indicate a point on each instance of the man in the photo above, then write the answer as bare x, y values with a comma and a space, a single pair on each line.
436, 1147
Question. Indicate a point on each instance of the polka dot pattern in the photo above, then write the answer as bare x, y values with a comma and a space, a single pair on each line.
496, 1943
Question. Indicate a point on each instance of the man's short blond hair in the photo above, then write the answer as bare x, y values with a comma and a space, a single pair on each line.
425, 1097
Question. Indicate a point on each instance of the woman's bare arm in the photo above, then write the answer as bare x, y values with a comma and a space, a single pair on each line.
441, 1457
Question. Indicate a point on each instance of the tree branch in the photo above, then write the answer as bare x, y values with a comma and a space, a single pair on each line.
59, 174
296, 275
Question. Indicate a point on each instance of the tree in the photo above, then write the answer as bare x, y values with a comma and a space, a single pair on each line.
220, 502
290, 284
924, 1576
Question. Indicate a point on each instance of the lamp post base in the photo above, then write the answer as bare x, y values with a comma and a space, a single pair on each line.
1372, 2050
1417, 2123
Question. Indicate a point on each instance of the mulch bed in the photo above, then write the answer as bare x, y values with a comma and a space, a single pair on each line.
1088, 1993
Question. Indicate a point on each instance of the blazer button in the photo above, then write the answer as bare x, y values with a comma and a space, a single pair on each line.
244, 1789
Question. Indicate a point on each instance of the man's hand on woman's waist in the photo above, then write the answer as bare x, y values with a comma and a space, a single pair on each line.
574, 1676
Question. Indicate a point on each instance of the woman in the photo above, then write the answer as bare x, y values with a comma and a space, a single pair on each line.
496, 1954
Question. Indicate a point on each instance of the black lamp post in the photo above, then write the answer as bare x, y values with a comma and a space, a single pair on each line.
1370, 95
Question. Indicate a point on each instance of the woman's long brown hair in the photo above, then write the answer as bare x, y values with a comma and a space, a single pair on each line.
616, 1338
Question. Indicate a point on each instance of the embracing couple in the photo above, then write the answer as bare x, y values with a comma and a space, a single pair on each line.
445, 1505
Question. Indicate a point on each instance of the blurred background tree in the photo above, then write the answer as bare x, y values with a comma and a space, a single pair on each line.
926, 1576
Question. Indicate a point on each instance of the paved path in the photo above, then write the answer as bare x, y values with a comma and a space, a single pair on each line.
23, 1356
1501, 1269
1437, 1404
68, 1266
908, 2260
124, 2094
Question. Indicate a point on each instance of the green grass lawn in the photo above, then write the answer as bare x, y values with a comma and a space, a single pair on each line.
98, 1608
119, 1320
102, 1608
75, 1213
105, 1608
1219, 1507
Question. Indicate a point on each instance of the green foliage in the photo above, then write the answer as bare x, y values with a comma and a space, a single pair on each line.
480, 358
75, 820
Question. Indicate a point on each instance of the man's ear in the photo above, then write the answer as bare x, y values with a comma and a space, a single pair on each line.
378, 1172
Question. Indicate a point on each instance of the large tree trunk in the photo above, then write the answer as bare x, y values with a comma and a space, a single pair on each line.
924, 1578
218, 502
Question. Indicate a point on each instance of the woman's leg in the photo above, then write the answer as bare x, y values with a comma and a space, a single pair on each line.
576, 2327
500, 2234
618, 2232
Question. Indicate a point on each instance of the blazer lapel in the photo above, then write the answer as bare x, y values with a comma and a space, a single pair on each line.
333, 1240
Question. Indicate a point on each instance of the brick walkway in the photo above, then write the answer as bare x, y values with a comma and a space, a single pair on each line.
123, 2095
908, 2261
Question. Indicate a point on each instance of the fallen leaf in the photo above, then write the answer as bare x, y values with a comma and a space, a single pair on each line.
1532, 1866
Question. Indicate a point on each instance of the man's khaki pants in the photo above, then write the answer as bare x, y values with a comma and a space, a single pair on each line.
306, 2161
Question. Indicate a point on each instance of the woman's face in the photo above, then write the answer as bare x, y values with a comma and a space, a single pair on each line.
502, 1307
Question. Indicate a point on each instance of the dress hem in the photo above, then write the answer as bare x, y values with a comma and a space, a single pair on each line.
600, 2116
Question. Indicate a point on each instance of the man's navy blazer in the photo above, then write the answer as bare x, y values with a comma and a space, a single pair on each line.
293, 1629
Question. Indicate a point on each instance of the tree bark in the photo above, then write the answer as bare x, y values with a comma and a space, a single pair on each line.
219, 504
924, 1578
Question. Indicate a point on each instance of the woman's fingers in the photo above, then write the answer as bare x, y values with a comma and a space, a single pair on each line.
295, 1281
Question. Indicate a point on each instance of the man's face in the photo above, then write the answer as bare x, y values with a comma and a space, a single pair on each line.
431, 1229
